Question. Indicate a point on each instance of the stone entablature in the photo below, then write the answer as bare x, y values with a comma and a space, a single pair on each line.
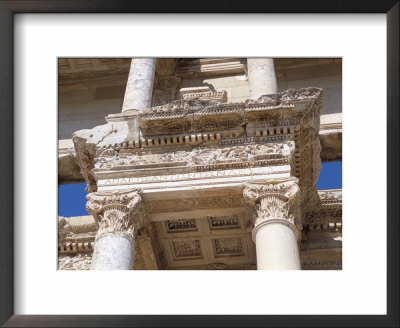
202, 152
209, 126
76, 234
330, 136
327, 216
189, 183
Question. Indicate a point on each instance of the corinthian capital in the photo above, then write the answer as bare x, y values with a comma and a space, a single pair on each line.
118, 212
274, 201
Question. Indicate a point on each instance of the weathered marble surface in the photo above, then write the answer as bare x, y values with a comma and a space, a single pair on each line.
185, 124
277, 223
139, 87
79, 261
187, 219
113, 252
322, 259
202, 155
118, 216
277, 248
330, 136
262, 79
76, 235
193, 147
68, 167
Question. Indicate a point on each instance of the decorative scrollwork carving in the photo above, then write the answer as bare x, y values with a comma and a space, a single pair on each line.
228, 155
274, 201
117, 211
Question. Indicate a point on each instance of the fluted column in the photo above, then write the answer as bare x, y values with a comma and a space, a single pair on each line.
276, 230
262, 78
118, 215
139, 87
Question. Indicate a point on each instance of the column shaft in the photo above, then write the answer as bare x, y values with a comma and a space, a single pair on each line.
113, 252
118, 215
139, 87
262, 78
277, 248
276, 230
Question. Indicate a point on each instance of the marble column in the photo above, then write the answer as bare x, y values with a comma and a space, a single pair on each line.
118, 215
276, 231
262, 78
139, 87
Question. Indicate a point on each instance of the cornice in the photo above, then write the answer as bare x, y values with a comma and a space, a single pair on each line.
290, 116
331, 197
76, 234
327, 216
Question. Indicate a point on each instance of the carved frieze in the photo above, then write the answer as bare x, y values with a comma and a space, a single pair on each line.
188, 204
328, 215
224, 222
76, 262
186, 249
173, 226
323, 215
203, 174
321, 259
223, 266
189, 114
232, 246
202, 128
203, 93
199, 140
116, 212
330, 197
76, 235
253, 154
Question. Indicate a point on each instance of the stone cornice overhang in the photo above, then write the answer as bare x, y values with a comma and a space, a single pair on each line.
331, 197
292, 116
271, 110
330, 135
328, 215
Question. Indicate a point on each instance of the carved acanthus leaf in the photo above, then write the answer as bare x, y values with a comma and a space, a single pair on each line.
116, 212
274, 200
273, 207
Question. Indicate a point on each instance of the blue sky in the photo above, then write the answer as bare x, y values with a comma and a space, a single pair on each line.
72, 197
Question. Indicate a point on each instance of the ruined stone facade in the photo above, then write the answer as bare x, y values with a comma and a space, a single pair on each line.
200, 178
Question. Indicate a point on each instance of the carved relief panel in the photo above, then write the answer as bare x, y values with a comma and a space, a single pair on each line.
232, 246
209, 240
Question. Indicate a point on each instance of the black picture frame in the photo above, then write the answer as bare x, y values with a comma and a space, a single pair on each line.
10, 7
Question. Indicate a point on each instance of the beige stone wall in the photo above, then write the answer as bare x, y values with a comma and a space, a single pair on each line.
87, 108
